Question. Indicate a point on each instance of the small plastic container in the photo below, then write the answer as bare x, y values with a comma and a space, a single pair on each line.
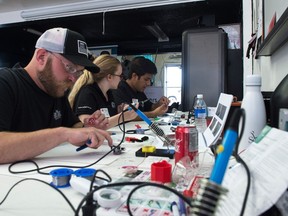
161, 171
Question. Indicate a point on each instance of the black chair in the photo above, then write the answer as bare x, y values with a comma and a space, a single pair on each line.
278, 100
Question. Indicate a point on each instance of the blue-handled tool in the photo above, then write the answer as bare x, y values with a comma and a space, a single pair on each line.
229, 141
153, 127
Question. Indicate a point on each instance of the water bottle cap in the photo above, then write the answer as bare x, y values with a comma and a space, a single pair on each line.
199, 95
254, 79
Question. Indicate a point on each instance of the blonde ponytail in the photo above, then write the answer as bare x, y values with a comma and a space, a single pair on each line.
85, 79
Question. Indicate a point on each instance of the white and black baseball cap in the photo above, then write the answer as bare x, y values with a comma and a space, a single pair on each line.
69, 44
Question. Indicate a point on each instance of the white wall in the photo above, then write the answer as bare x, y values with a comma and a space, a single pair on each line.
247, 30
272, 68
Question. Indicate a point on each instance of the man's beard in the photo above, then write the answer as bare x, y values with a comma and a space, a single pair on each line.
53, 87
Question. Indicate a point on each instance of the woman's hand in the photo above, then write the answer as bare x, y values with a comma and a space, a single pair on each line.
97, 120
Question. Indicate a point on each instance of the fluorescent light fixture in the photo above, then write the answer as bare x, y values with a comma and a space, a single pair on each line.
33, 31
93, 6
157, 32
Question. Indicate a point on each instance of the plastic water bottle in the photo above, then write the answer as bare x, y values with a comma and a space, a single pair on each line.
200, 113
254, 107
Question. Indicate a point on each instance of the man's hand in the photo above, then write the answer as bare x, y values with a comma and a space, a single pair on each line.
95, 136
162, 109
163, 100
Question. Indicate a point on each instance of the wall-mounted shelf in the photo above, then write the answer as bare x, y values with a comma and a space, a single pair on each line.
276, 38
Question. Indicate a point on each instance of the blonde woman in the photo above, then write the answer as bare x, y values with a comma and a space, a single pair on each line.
91, 92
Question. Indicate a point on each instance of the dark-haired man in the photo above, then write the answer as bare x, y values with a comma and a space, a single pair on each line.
141, 71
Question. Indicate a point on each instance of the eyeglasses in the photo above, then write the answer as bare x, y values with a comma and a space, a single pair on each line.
121, 75
69, 68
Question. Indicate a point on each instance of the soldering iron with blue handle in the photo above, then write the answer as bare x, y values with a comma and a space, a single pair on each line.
225, 150
207, 202
154, 128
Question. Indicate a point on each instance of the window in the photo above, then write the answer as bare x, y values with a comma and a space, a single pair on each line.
173, 82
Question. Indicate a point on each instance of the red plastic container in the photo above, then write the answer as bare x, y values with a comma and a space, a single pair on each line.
161, 171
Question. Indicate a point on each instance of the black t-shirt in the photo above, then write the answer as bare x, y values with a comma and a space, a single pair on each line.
90, 98
125, 94
25, 107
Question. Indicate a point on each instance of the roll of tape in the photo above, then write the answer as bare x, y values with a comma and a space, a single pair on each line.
61, 177
108, 198
87, 173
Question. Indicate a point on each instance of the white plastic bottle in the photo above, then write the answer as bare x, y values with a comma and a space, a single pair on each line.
254, 107
200, 113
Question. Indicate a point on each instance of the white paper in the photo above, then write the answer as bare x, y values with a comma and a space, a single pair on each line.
216, 126
268, 164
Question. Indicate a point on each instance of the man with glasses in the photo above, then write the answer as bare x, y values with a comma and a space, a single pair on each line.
35, 115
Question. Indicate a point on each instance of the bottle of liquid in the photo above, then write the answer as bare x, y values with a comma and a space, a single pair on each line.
200, 113
254, 107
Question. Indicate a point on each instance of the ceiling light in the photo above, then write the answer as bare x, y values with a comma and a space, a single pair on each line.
33, 31
157, 32
93, 6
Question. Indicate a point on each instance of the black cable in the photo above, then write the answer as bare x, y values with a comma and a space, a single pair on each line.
240, 160
38, 169
91, 205
109, 179
119, 124
33, 179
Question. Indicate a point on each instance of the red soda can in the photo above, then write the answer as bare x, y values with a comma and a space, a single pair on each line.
186, 143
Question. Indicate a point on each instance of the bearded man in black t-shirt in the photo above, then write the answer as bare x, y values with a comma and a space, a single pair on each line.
35, 115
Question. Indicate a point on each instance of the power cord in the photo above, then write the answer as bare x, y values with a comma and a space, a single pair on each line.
33, 179
91, 205
240, 160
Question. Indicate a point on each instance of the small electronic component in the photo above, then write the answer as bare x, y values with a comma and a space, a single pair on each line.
117, 150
